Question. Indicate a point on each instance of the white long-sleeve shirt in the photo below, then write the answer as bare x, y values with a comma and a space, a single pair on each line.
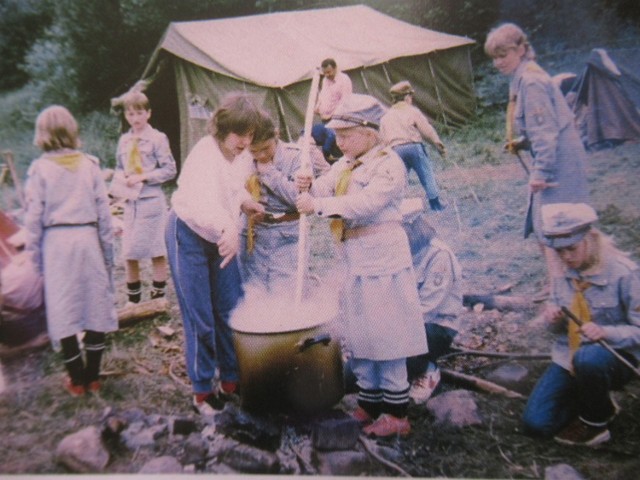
210, 191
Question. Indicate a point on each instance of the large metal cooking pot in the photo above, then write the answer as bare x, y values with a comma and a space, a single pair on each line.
289, 369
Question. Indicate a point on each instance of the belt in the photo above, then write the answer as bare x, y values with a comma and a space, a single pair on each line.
89, 224
359, 232
287, 217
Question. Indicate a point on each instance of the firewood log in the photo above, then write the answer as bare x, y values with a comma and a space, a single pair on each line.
133, 313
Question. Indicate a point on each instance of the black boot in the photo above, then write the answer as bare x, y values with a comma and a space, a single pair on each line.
134, 291
158, 289
435, 204
74, 365
94, 347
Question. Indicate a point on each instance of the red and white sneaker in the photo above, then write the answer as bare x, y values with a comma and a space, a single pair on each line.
362, 416
422, 388
207, 404
73, 389
387, 425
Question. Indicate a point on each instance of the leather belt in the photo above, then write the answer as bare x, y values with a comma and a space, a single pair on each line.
287, 217
365, 230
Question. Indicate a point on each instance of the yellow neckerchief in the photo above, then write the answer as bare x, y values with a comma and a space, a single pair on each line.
253, 187
580, 308
134, 166
70, 161
511, 108
337, 224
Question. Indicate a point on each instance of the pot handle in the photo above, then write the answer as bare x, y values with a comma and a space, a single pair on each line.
307, 343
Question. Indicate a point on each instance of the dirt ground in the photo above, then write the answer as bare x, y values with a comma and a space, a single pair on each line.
483, 223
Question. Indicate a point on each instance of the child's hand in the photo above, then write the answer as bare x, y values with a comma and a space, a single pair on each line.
303, 180
135, 179
228, 246
304, 203
254, 210
592, 331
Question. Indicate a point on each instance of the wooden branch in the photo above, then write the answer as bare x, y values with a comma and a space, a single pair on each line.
8, 157
365, 443
479, 383
36, 343
497, 302
512, 356
132, 314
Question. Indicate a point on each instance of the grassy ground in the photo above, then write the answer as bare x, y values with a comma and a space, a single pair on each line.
484, 190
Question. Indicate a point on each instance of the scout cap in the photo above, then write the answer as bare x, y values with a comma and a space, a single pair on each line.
401, 89
357, 110
565, 224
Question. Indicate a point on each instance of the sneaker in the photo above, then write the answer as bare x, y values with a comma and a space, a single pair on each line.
94, 387
207, 404
387, 425
580, 433
362, 416
73, 389
423, 387
229, 387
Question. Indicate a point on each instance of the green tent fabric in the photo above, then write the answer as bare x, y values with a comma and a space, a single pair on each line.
273, 57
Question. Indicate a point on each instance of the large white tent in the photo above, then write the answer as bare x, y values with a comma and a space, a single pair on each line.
273, 56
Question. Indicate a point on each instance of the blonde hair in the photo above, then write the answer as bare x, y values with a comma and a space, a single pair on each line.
56, 129
505, 37
136, 100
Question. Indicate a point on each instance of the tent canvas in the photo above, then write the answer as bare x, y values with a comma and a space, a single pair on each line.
273, 57
605, 98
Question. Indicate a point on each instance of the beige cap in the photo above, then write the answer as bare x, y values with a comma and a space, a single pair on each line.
401, 88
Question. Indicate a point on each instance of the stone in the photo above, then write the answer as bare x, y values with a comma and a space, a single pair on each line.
247, 459
344, 462
561, 471
456, 408
183, 426
511, 376
196, 449
164, 464
253, 430
138, 435
335, 433
83, 451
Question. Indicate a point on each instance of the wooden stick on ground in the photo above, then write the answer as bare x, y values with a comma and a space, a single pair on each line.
513, 356
134, 313
479, 383
387, 463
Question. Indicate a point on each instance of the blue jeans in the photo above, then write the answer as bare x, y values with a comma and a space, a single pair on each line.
207, 294
559, 396
415, 157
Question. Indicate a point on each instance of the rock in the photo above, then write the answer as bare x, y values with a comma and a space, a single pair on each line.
335, 433
183, 426
561, 471
138, 435
196, 449
83, 451
348, 462
511, 376
248, 459
247, 428
456, 408
165, 464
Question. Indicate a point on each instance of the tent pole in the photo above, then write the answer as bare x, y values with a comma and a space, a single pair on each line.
281, 112
386, 73
364, 80
435, 84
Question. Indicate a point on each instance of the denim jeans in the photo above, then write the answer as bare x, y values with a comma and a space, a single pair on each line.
207, 294
415, 157
559, 396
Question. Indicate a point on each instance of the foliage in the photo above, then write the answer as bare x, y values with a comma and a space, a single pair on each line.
22, 22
